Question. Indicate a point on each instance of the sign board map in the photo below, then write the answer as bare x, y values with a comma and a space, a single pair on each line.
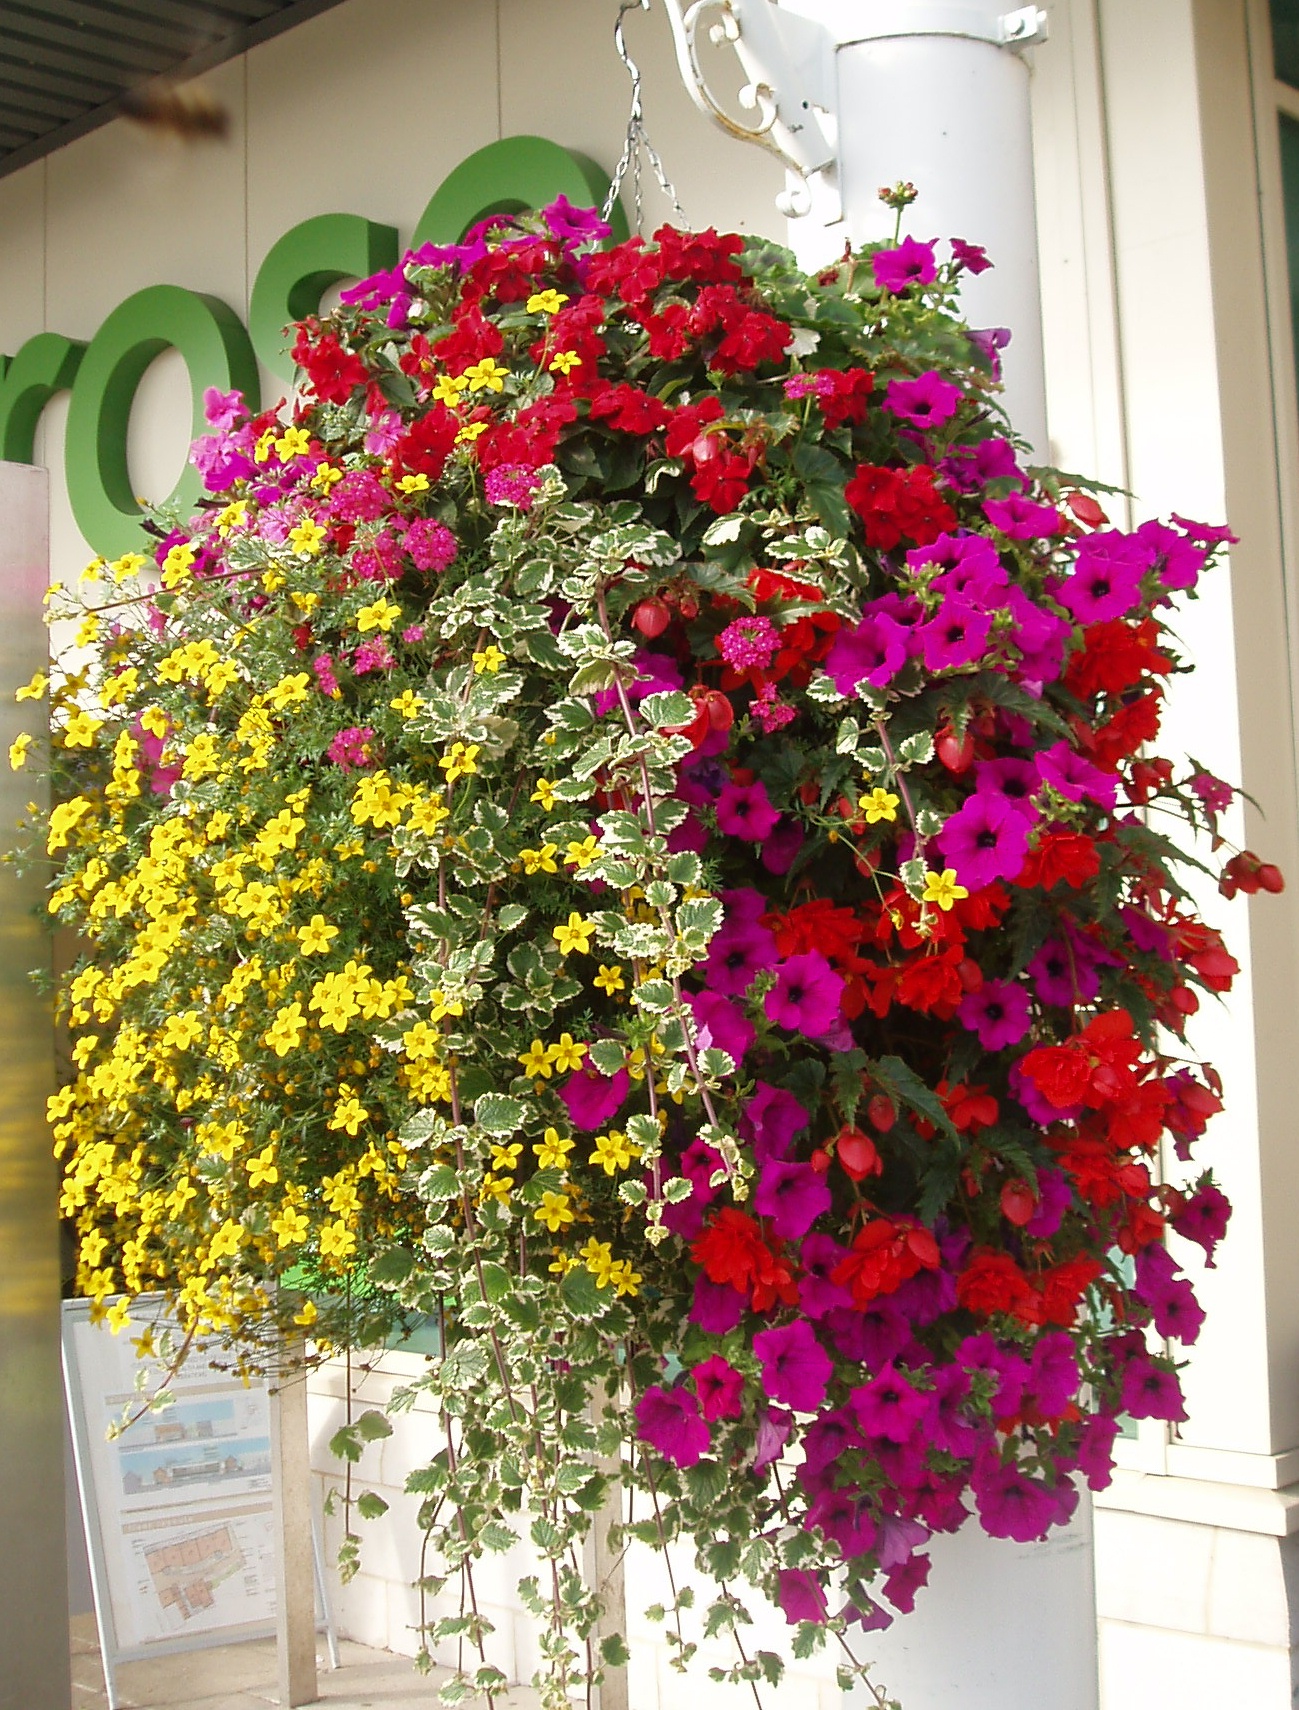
179, 1507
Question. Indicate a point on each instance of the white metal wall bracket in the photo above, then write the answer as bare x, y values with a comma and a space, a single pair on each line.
787, 53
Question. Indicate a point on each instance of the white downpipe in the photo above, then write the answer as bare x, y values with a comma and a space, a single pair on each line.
935, 94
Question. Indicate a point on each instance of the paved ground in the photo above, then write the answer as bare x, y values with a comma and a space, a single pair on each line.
242, 1677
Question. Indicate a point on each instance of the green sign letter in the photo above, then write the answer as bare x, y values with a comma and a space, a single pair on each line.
217, 352
301, 267
43, 366
510, 177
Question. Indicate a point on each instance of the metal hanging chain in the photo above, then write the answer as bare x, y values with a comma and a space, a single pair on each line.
637, 138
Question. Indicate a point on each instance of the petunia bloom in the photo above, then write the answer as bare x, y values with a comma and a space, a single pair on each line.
792, 1195
745, 810
668, 1420
985, 839
795, 1367
720, 1388
805, 997
911, 263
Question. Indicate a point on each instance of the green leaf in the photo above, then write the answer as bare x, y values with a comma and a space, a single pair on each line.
497, 1113
372, 1426
512, 915
608, 1055
438, 1185
464, 1366
614, 1652
370, 1506
654, 995
582, 1295
663, 711
916, 749
904, 1086
390, 1266
685, 869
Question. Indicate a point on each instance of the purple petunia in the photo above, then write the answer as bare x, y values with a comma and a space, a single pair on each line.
1021, 519
973, 257
890, 1407
1015, 781
1095, 1453
805, 997
1106, 580
771, 1119
745, 810
1151, 1391
717, 1307
1075, 778
1176, 1313
668, 1420
927, 401
720, 1388
1203, 1219
1054, 1376
956, 635
874, 652
721, 1023
795, 1367
985, 839
999, 1012
911, 263
592, 1101
800, 1596
1010, 1505
740, 950
792, 1195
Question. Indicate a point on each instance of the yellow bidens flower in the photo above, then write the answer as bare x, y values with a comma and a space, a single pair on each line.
307, 536
554, 1211
418, 483
289, 1227
34, 690
80, 730
262, 1168
547, 302
610, 980
178, 563
624, 1279
381, 615
536, 1060
349, 1112
470, 432
564, 361
316, 935
575, 934
128, 565
289, 691
326, 477
408, 704
485, 376
545, 794
879, 804
552, 1152
568, 1055
421, 1041
581, 855
461, 761
613, 1151
943, 889
18, 751
337, 1240
285, 1032
447, 389
293, 442
540, 860
490, 659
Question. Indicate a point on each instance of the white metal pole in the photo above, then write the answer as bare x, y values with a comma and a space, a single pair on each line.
936, 93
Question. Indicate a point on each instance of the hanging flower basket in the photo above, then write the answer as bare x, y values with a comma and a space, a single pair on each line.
626, 824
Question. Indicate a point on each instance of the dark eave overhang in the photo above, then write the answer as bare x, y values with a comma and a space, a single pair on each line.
67, 65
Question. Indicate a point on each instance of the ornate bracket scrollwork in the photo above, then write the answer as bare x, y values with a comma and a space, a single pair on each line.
789, 63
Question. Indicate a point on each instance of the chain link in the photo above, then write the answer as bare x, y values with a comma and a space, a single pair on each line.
637, 140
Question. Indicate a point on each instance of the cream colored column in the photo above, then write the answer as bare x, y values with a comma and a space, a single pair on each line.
33, 1564
1164, 370
295, 1618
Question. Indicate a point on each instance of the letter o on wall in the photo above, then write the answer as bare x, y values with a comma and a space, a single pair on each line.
217, 352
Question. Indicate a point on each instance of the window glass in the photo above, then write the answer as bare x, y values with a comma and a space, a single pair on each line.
1290, 187
1285, 40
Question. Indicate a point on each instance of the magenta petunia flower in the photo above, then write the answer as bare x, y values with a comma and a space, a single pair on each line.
1054, 1197
1021, 519
1054, 1376
223, 410
890, 1407
771, 1119
721, 1024
795, 1367
1062, 976
740, 950
668, 1420
982, 1353
1106, 580
592, 1099
874, 652
927, 401
1177, 1315
998, 1012
1015, 781
774, 1429
973, 257
720, 1388
717, 1307
745, 810
1075, 778
1178, 560
1095, 1452
911, 263
1010, 1505
956, 635
985, 839
805, 997
904, 1582
792, 1195
1203, 1219
1151, 1391
800, 1597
